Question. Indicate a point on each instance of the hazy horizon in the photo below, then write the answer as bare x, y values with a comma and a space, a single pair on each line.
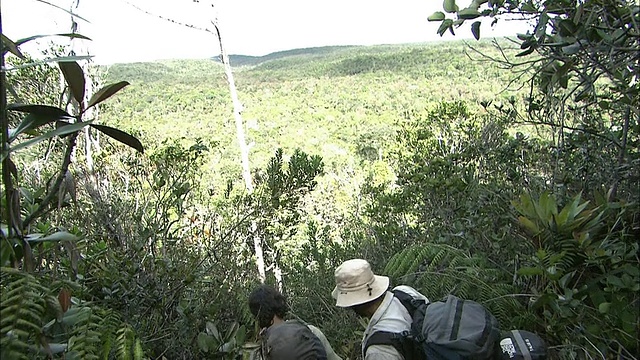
122, 31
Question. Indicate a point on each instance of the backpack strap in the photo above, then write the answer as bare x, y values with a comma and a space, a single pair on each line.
408, 301
417, 309
400, 341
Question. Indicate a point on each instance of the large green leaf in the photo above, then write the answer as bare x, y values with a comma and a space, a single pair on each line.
53, 112
55, 237
38, 115
475, 29
468, 13
76, 315
446, 24
10, 46
436, 16
106, 92
571, 210
74, 76
61, 131
30, 122
526, 52
450, 6
34, 37
121, 136
203, 342
212, 330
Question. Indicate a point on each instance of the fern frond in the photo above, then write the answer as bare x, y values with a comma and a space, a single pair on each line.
22, 308
109, 326
438, 270
138, 353
125, 342
85, 341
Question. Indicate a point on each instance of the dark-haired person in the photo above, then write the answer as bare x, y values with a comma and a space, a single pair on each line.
359, 289
270, 309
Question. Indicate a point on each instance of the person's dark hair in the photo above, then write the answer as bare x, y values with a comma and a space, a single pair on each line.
265, 302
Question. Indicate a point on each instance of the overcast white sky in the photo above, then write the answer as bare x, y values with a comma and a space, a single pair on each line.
122, 33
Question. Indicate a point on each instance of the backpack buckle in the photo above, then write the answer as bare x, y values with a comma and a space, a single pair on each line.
419, 338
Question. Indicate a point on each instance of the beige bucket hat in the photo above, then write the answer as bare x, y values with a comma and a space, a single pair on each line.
357, 284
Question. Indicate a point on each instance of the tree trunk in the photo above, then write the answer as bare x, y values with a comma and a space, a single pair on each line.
244, 149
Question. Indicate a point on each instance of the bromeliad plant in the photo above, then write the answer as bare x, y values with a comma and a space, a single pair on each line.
222, 345
585, 272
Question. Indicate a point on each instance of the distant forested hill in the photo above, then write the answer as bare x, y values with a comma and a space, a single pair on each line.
331, 101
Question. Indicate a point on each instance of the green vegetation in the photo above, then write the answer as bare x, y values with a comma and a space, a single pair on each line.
452, 167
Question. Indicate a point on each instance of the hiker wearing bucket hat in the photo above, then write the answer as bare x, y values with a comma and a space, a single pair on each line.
358, 288
286, 339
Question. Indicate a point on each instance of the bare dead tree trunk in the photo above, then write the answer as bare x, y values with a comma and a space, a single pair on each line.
237, 113
240, 133
244, 150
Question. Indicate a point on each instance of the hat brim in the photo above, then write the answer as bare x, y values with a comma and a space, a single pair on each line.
352, 298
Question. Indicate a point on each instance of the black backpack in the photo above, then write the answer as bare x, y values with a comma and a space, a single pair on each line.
291, 340
452, 329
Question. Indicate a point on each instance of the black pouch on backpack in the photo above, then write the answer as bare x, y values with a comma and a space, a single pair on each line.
291, 340
522, 345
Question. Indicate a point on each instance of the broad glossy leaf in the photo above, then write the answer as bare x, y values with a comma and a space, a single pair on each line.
524, 37
43, 110
76, 315
530, 225
10, 46
121, 136
604, 307
203, 342
231, 332
241, 335
212, 330
450, 6
29, 123
468, 13
58, 236
526, 52
74, 76
106, 92
446, 24
34, 37
475, 30
61, 131
436, 16
541, 28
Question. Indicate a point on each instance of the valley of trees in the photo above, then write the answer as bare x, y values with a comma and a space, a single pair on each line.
501, 170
